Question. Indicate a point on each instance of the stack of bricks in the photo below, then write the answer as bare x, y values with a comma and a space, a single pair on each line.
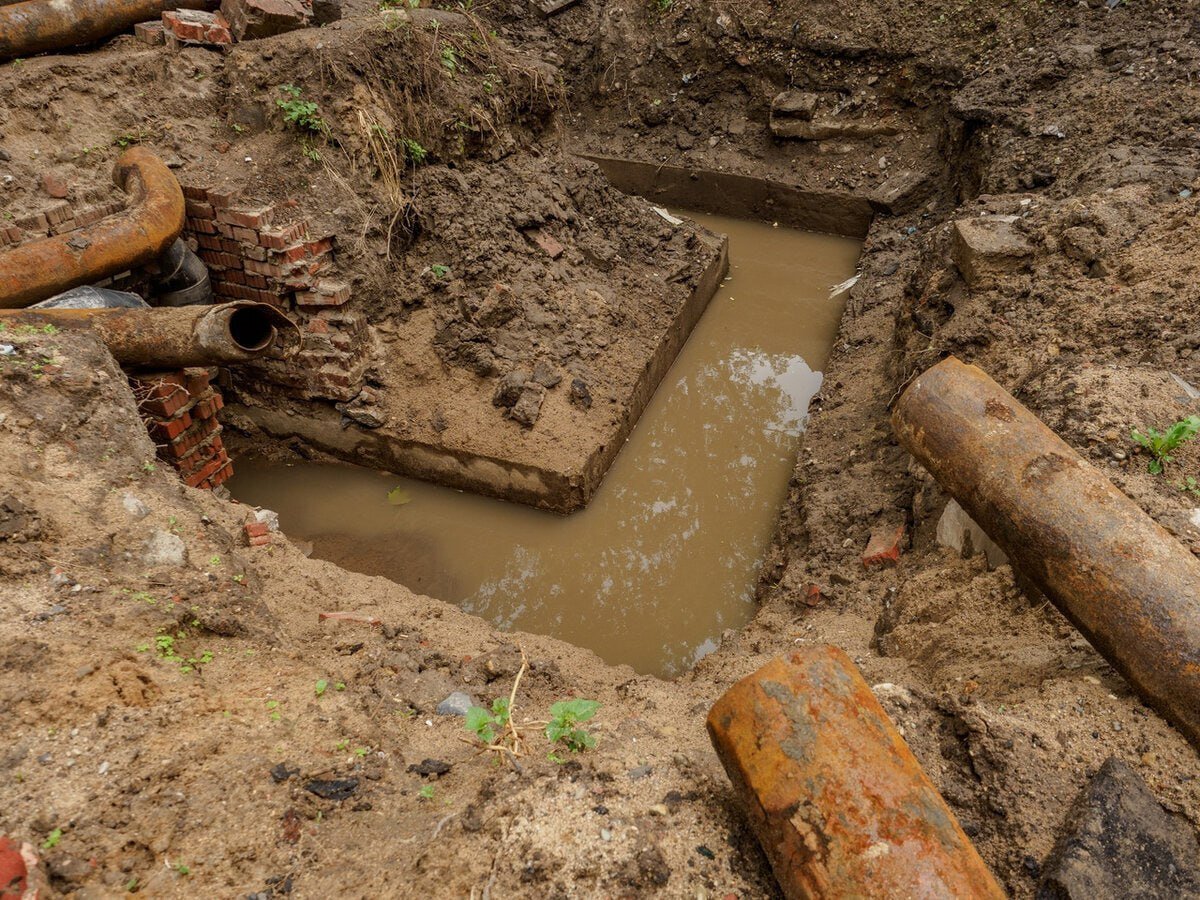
251, 257
58, 219
180, 411
186, 28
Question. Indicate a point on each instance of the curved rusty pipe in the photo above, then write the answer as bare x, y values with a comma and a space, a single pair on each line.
36, 26
41, 269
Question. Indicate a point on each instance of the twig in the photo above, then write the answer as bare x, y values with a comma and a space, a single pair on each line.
512, 699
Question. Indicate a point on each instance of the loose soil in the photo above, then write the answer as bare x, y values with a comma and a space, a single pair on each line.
1075, 119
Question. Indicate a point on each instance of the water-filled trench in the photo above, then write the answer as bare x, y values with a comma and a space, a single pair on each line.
666, 556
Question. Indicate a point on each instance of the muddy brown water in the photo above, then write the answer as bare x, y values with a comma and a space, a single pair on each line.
666, 556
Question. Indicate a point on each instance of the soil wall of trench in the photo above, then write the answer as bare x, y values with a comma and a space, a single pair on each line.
267, 749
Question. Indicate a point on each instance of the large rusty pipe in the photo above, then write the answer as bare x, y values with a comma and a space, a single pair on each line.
837, 800
141, 234
36, 26
170, 337
1126, 583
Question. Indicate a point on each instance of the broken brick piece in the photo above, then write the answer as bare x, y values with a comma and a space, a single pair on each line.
149, 33
197, 26
256, 529
884, 547
14, 872
547, 242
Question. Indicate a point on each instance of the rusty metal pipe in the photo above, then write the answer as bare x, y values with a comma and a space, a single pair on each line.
41, 269
837, 800
36, 26
170, 337
1126, 583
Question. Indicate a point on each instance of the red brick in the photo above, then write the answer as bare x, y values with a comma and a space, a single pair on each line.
247, 218
14, 875
320, 246
192, 192
260, 541
220, 197
196, 382
281, 238
199, 209
58, 214
208, 242
200, 226
884, 547
256, 529
245, 235
203, 474
266, 269
171, 428
292, 254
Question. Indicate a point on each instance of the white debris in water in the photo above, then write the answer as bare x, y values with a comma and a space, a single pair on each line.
673, 220
839, 291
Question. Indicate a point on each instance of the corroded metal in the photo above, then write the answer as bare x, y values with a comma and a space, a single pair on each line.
171, 337
839, 803
1126, 583
139, 235
36, 26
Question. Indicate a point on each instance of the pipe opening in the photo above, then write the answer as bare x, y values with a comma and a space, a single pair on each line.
251, 329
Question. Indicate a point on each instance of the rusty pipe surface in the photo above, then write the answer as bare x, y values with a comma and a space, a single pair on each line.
837, 800
41, 269
1121, 578
169, 337
36, 26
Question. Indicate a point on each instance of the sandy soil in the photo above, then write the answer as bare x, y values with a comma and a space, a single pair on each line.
161, 779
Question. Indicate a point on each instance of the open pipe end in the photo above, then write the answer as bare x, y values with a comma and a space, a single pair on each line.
251, 330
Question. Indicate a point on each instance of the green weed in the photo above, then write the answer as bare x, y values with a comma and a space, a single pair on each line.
1162, 443
301, 114
565, 716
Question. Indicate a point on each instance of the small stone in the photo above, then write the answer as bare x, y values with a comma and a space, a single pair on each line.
659, 809
794, 105
580, 395
1119, 843
544, 374
456, 704
529, 405
639, 772
605, 834
134, 506
332, 789
508, 391
427, 767
165, 549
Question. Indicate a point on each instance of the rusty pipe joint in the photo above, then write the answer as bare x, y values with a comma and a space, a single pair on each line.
1119, 576
140, 235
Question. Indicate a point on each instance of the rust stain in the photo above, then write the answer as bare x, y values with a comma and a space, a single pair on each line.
998, 410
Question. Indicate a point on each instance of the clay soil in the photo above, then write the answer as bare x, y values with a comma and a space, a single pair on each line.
215, 766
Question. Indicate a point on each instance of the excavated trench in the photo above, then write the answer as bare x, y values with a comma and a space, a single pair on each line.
666, 556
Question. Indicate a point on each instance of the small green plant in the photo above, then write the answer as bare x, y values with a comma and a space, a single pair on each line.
182, 868
301, 114
1162, 443
1190, 485
484, 723
273, 709
52, 839
450, 58
149, 468
361, 752
414, 151
342, 746
426, 792
321, 687
565, 716
439, 271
